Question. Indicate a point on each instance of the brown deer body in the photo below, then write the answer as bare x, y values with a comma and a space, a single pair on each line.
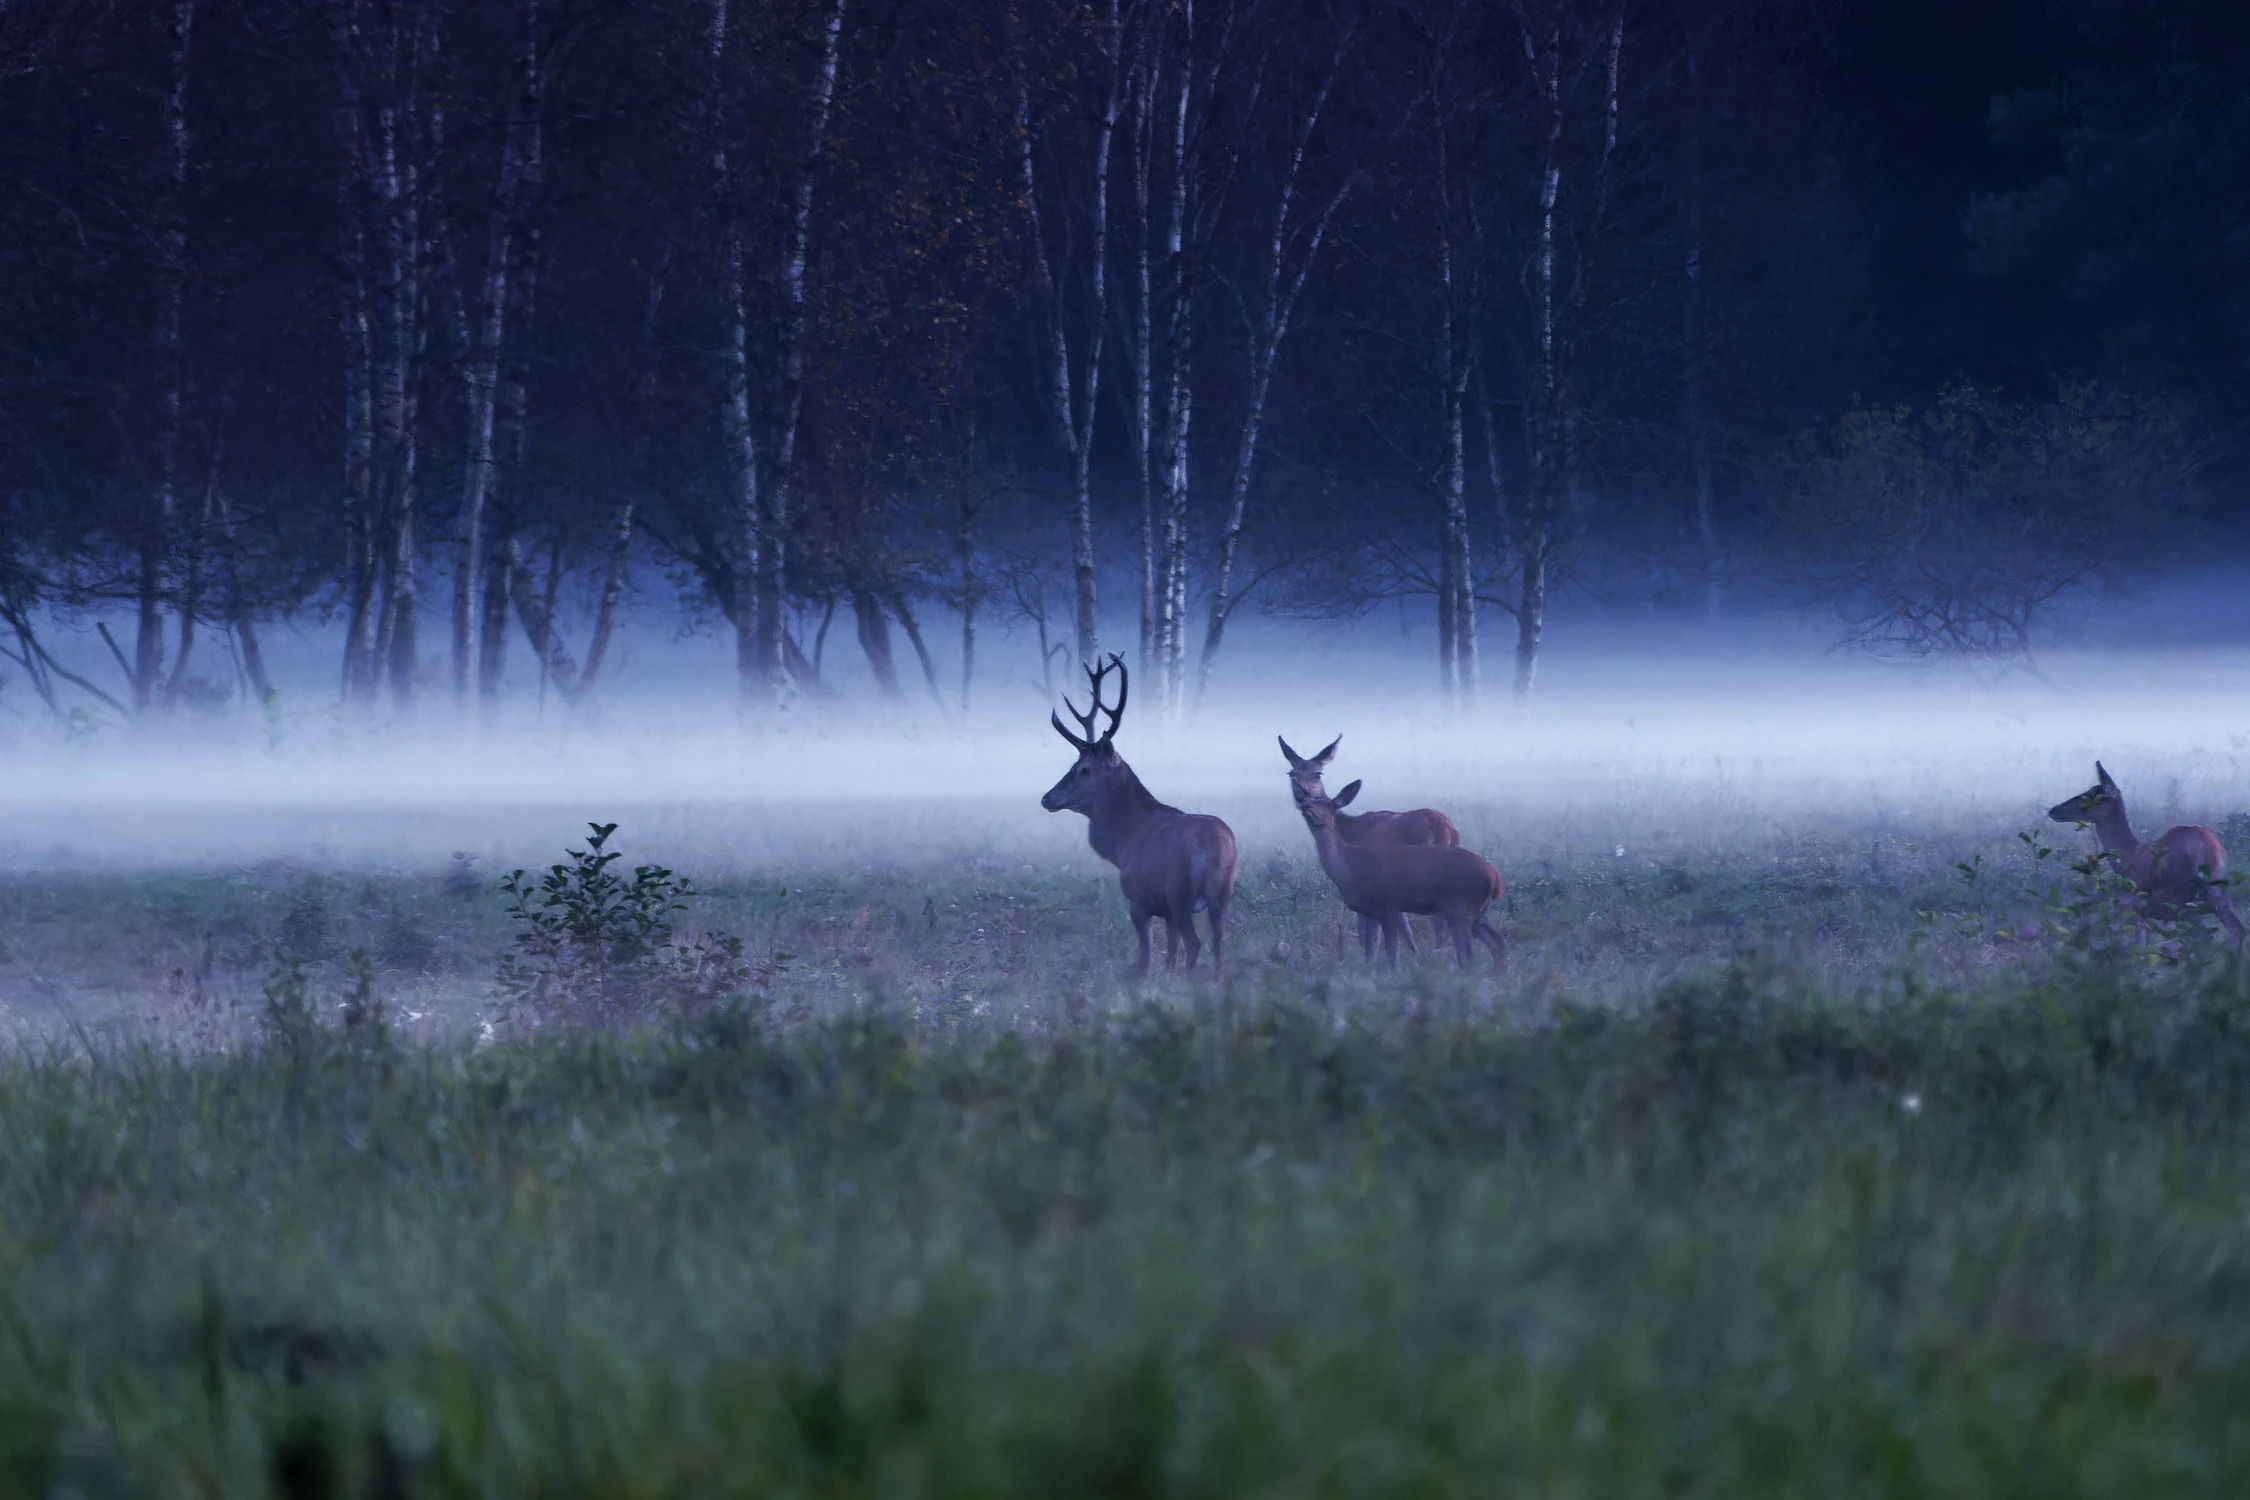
2173, 871
1386, 881
1421, 826
1170, 864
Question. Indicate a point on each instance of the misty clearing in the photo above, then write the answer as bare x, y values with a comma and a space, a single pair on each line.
1192, 748
807, 1127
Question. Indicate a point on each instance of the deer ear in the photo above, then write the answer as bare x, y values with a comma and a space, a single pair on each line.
1329, 754
1295, 760
2104, 775
1344, 797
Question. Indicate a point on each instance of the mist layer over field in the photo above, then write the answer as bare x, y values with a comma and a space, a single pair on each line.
1655, 815
1631, 751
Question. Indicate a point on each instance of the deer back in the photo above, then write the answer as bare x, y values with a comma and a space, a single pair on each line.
1423, 825
2173, 868
1422, 879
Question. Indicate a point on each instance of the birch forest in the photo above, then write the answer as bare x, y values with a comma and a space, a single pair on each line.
912, 347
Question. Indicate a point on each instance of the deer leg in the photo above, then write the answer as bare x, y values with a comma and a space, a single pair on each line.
1462, 927
1217, 906
1492, 939
1368, 927
1141, 919
1397, 930
1171, 942
2222, 904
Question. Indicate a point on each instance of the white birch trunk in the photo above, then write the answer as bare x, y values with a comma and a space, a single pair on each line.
1073, 388
481, 463
156, 537
1702, 512
773, 521
1283, 284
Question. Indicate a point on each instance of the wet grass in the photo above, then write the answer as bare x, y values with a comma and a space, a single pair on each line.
1749, 1239
1778, 1165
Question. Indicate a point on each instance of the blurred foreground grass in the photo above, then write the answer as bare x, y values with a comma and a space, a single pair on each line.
1747, 1239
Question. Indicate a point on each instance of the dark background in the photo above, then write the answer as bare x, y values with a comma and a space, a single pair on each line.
1964, 352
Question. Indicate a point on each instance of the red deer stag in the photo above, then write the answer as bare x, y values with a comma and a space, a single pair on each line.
2172, 871
1423, 825
1385, 881
1171, 864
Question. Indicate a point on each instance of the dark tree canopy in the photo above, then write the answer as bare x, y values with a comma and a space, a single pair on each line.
465, 328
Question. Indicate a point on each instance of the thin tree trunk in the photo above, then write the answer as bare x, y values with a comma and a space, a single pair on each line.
1457, 614
773, 523
1698, 434
498, 593
913, 629
613, 590
1282, 287
740, 437
1140, 350
875, 639
1547, 455
399, 307
965, 550
192, 582
355, 317
239, 614
618, 566
536, 611
512, 486
549, 597
1462, 601
156, 533
1072, 392
1178, 397
481, 468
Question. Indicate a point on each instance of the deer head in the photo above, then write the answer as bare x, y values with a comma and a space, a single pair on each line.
1099, 766
1304, 772
2092, 803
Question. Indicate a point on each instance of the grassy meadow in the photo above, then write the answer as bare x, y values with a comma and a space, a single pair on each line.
1868, 1153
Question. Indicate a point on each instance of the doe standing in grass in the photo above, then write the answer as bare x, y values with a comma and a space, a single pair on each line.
2173, 871
1170, 864
1388, 881
1422, 825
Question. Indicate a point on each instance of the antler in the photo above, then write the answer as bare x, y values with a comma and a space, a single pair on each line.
1094, 676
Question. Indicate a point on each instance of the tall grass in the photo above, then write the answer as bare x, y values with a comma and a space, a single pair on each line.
1751, 1239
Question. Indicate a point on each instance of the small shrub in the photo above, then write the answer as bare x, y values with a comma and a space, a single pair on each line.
305, 926
595, 945
290, 1016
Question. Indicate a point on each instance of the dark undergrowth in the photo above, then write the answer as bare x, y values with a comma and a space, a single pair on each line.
1746, 1241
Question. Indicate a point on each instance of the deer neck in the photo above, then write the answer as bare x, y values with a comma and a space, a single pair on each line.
2114, 831
1112, 821
1328, 843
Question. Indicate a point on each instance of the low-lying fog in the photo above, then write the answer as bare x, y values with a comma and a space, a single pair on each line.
1684, 742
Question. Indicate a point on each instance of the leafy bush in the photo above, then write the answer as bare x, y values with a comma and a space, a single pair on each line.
594, 946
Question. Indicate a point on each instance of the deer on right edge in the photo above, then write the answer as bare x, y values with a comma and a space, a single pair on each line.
2172, 871
1423, 825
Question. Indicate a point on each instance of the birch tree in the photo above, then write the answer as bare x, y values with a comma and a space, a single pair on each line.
1288, 246
772, 524
1573, 65
520, 149
382, 135
156, 536
1070, 336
